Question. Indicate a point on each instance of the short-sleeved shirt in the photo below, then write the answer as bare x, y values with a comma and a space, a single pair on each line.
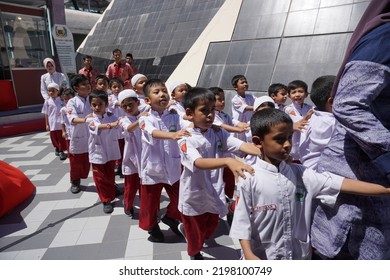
274, 209
78, 107
52, 108
102, 143
202, 190
160, 158
121, 70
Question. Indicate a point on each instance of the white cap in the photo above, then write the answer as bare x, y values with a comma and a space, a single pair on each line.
136, 77
173, 85
260, 100
127, 93
53, 85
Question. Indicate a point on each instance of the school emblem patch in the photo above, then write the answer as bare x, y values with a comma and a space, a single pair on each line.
142, 125
69, 111
183, 147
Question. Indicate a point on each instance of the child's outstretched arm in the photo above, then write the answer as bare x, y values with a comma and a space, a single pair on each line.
363, 188
170, 135
247, 250
236, 166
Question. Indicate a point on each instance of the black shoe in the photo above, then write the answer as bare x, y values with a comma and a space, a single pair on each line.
57, 152
130, 212
63, 156
198, 256
75, 187
172, 223
107, 207
156, 234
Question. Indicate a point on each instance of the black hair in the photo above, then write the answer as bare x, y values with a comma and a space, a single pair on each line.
262, 121
66, 91
102, 76
189, 86
77, 79
297, 84
274, 88
101, 94
150, 83
195, 95
116, 80
130, 55
116, 50
87, 57
236, 78
320, 91
216, 90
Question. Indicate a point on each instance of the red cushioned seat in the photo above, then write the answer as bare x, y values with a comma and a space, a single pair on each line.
15, 187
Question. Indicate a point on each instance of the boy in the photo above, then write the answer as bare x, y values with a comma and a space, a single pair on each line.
242, 102
299, 112
78, 109
66, 95
101, 83
160, 161
177, 90
278, 92
320, 129
120, 69
202, 198
272, 218
138, 82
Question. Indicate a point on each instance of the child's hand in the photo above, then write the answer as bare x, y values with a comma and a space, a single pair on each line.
243, 125
180, 134
238, 167
300, 125
143, 114
88, 116
47, 127
64, 134
114, 124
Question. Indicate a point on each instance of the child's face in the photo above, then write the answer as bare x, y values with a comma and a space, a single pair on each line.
116, 88
158, 98
101, 84
203, 115
130, 106
53, 92
280, 97
298, 95
139, 85
66, 97
276, 144
220, 101
98, 106
83, 89
241, 86
179, 92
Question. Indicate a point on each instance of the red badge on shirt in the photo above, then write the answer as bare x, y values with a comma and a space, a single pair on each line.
142, 125
183, 147
92, 124
292, 113
69, 112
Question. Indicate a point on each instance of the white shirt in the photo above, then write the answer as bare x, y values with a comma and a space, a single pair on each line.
78, 107
52, 108
160, 158
116, 110
48, 78
238, 110
102, 143
315, 138
178, 107
65, 121
223, 118
132, 153
202, 190
274, 208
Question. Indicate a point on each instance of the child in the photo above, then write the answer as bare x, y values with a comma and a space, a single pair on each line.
51, 109
160, 160
90, 72
177, 90
242, 102
132, 153
138, 82
103, 148
278, 92
66, 94
320, 129
201, 198
101, 83
299, 112
78, 109
272, 218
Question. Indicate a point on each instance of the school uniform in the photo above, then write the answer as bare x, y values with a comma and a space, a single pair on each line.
143, 106
103, 152
239, 113
78, 107
202, 196
117, 111
315, 138
296, 112
160, 167
178, 106
66, 123
51, 108
275, 207
131, 160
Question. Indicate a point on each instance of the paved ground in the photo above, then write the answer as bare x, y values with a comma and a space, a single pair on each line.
56, 224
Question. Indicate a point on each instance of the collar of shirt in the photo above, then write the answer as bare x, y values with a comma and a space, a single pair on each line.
270, 167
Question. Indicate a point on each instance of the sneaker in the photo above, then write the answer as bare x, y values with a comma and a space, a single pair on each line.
63, 156
130, 212
75, 187
57, 152
180, 228
172, 223
107, 207
156, 234
198, 256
